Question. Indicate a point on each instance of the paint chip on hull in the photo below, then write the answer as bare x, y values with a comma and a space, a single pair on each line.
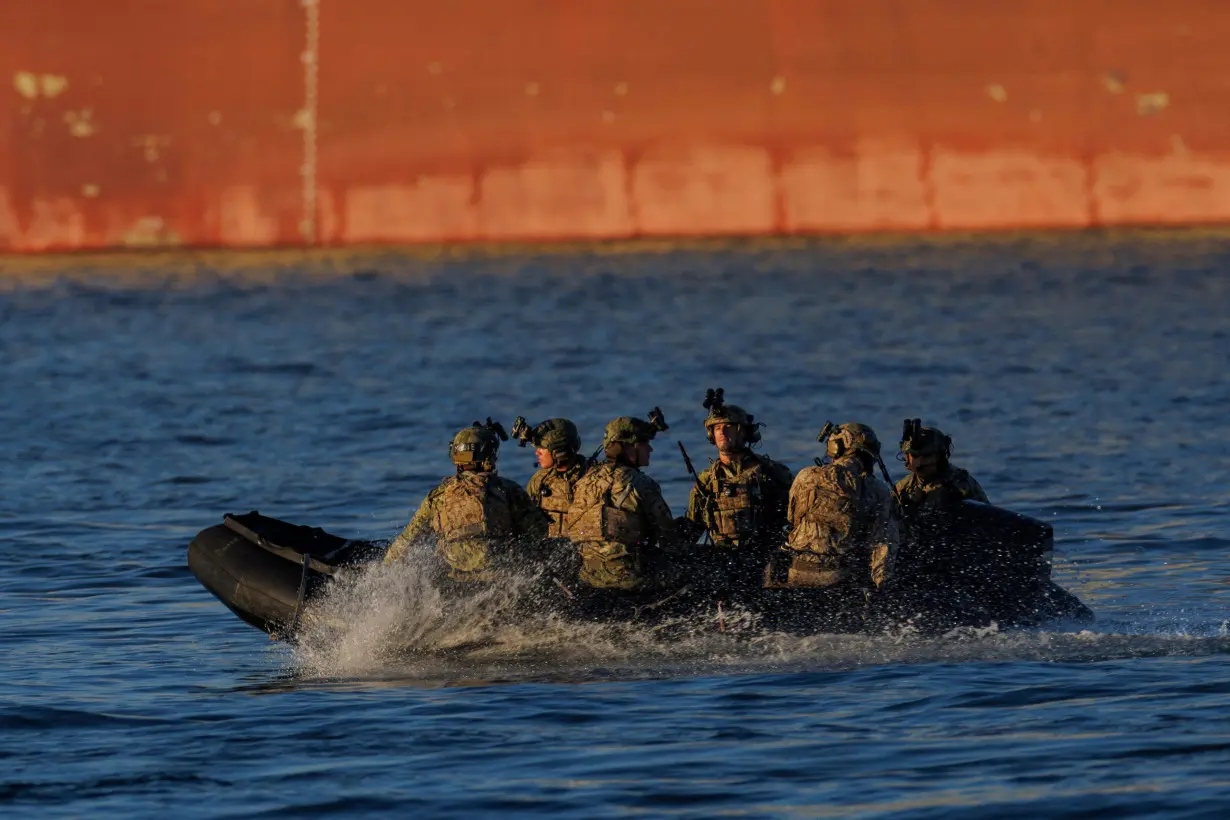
26, 84
149, 232
80, 123
997, 92
1153, 103
53, 85
32, 86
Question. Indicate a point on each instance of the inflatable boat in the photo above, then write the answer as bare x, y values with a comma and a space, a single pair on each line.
965, 563
961, 564
266, 570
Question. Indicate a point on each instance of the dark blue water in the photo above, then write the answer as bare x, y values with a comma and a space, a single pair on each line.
1082, 379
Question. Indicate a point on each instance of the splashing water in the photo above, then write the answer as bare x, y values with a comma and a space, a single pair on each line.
391, 622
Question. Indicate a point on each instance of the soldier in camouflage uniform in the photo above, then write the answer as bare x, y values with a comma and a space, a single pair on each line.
740, 501
619, 522
843, 533
478, 518
926, 452
930, 584
557, 445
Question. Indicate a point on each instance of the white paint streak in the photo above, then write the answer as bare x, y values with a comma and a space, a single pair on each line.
308, 122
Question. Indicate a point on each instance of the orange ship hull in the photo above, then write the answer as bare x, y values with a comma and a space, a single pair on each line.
258, 123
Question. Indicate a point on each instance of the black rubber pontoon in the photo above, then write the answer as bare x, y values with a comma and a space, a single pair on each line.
265, 570
964, 563
961, 563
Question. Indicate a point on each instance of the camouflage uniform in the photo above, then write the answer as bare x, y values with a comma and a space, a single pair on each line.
938, 580
842, 530
552, 490
551, 487
476, 516
842, 534
618, 518
914, 489
743, 508
741, 505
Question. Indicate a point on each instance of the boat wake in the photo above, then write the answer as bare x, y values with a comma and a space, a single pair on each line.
390, 624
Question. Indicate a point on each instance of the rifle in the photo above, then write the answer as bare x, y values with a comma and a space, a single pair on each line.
691, 470
700, 488
892, 488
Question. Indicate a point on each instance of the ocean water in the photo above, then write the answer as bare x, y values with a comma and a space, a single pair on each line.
1082, 378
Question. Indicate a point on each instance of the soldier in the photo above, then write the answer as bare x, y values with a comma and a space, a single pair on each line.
740, 501
619, 522
477, 517
926, 451
557, 445
842, 535
937, 577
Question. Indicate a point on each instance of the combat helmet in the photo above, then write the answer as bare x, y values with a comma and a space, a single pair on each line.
559, 436
848, 439
478, 444
917, 440
629, 430
722, 413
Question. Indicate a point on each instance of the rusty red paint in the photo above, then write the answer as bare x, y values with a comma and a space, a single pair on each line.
191, 123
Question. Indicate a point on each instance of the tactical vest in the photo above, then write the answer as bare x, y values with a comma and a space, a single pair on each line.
735, 506
470, 512
556, 498
843, 554
915, 492
608, 535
